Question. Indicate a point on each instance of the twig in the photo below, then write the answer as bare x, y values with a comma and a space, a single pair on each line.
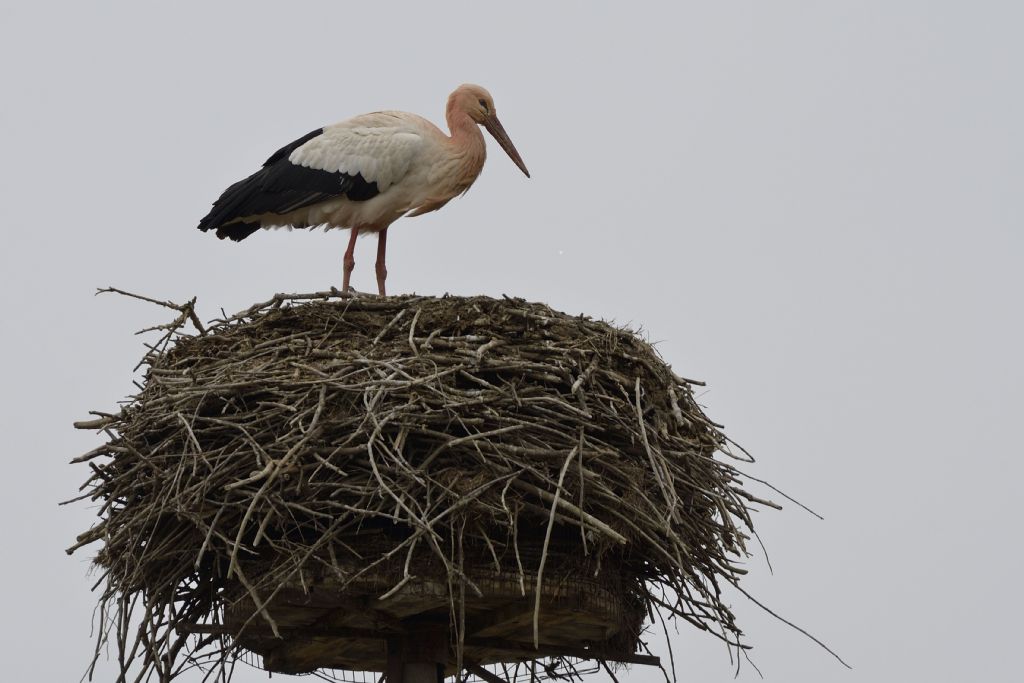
544, 550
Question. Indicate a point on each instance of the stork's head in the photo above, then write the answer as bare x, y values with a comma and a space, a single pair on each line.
477, 103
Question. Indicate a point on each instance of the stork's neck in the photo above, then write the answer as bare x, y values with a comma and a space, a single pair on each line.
467, 145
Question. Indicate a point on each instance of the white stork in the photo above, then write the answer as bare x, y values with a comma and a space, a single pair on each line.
364, 174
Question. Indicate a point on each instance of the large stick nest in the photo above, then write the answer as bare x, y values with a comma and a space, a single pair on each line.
313, 438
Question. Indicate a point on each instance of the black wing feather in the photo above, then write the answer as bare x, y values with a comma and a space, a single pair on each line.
285, 151
277, 188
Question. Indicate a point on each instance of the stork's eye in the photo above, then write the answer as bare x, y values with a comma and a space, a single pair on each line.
483, 103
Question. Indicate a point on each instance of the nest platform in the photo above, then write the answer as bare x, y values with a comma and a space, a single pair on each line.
326, 481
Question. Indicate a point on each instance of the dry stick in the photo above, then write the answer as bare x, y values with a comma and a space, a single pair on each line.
668, 641
490, 547
609, 671
778, 491
263, 526
484, 674
584, 376
206, 540
407, 576
659, 474
261, 606
789, 623
412, 332
387, 327
556, 500
460, 625
283, 462
583, 532
465, 439
751, 662
186, 309
519, 562
191, 434
544, 551
278, 299
98, 423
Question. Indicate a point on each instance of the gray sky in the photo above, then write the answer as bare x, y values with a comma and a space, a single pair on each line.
815, 207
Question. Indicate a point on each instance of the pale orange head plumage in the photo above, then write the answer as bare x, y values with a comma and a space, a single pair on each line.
475, 102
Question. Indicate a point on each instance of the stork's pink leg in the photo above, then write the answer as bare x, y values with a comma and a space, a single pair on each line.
350, 259
382, 271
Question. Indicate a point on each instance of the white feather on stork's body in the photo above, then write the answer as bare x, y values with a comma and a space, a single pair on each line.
364, 174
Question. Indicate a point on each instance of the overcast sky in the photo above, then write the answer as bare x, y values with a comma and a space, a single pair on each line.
816, 207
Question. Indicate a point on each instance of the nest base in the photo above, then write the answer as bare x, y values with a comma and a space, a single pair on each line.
328, 625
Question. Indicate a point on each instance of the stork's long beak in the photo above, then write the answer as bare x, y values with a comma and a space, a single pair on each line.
494, 127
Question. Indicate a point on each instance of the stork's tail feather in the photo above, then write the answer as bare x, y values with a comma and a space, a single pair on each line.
232, 205
236, 231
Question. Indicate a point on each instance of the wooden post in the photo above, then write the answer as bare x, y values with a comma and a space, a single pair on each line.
419, 656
